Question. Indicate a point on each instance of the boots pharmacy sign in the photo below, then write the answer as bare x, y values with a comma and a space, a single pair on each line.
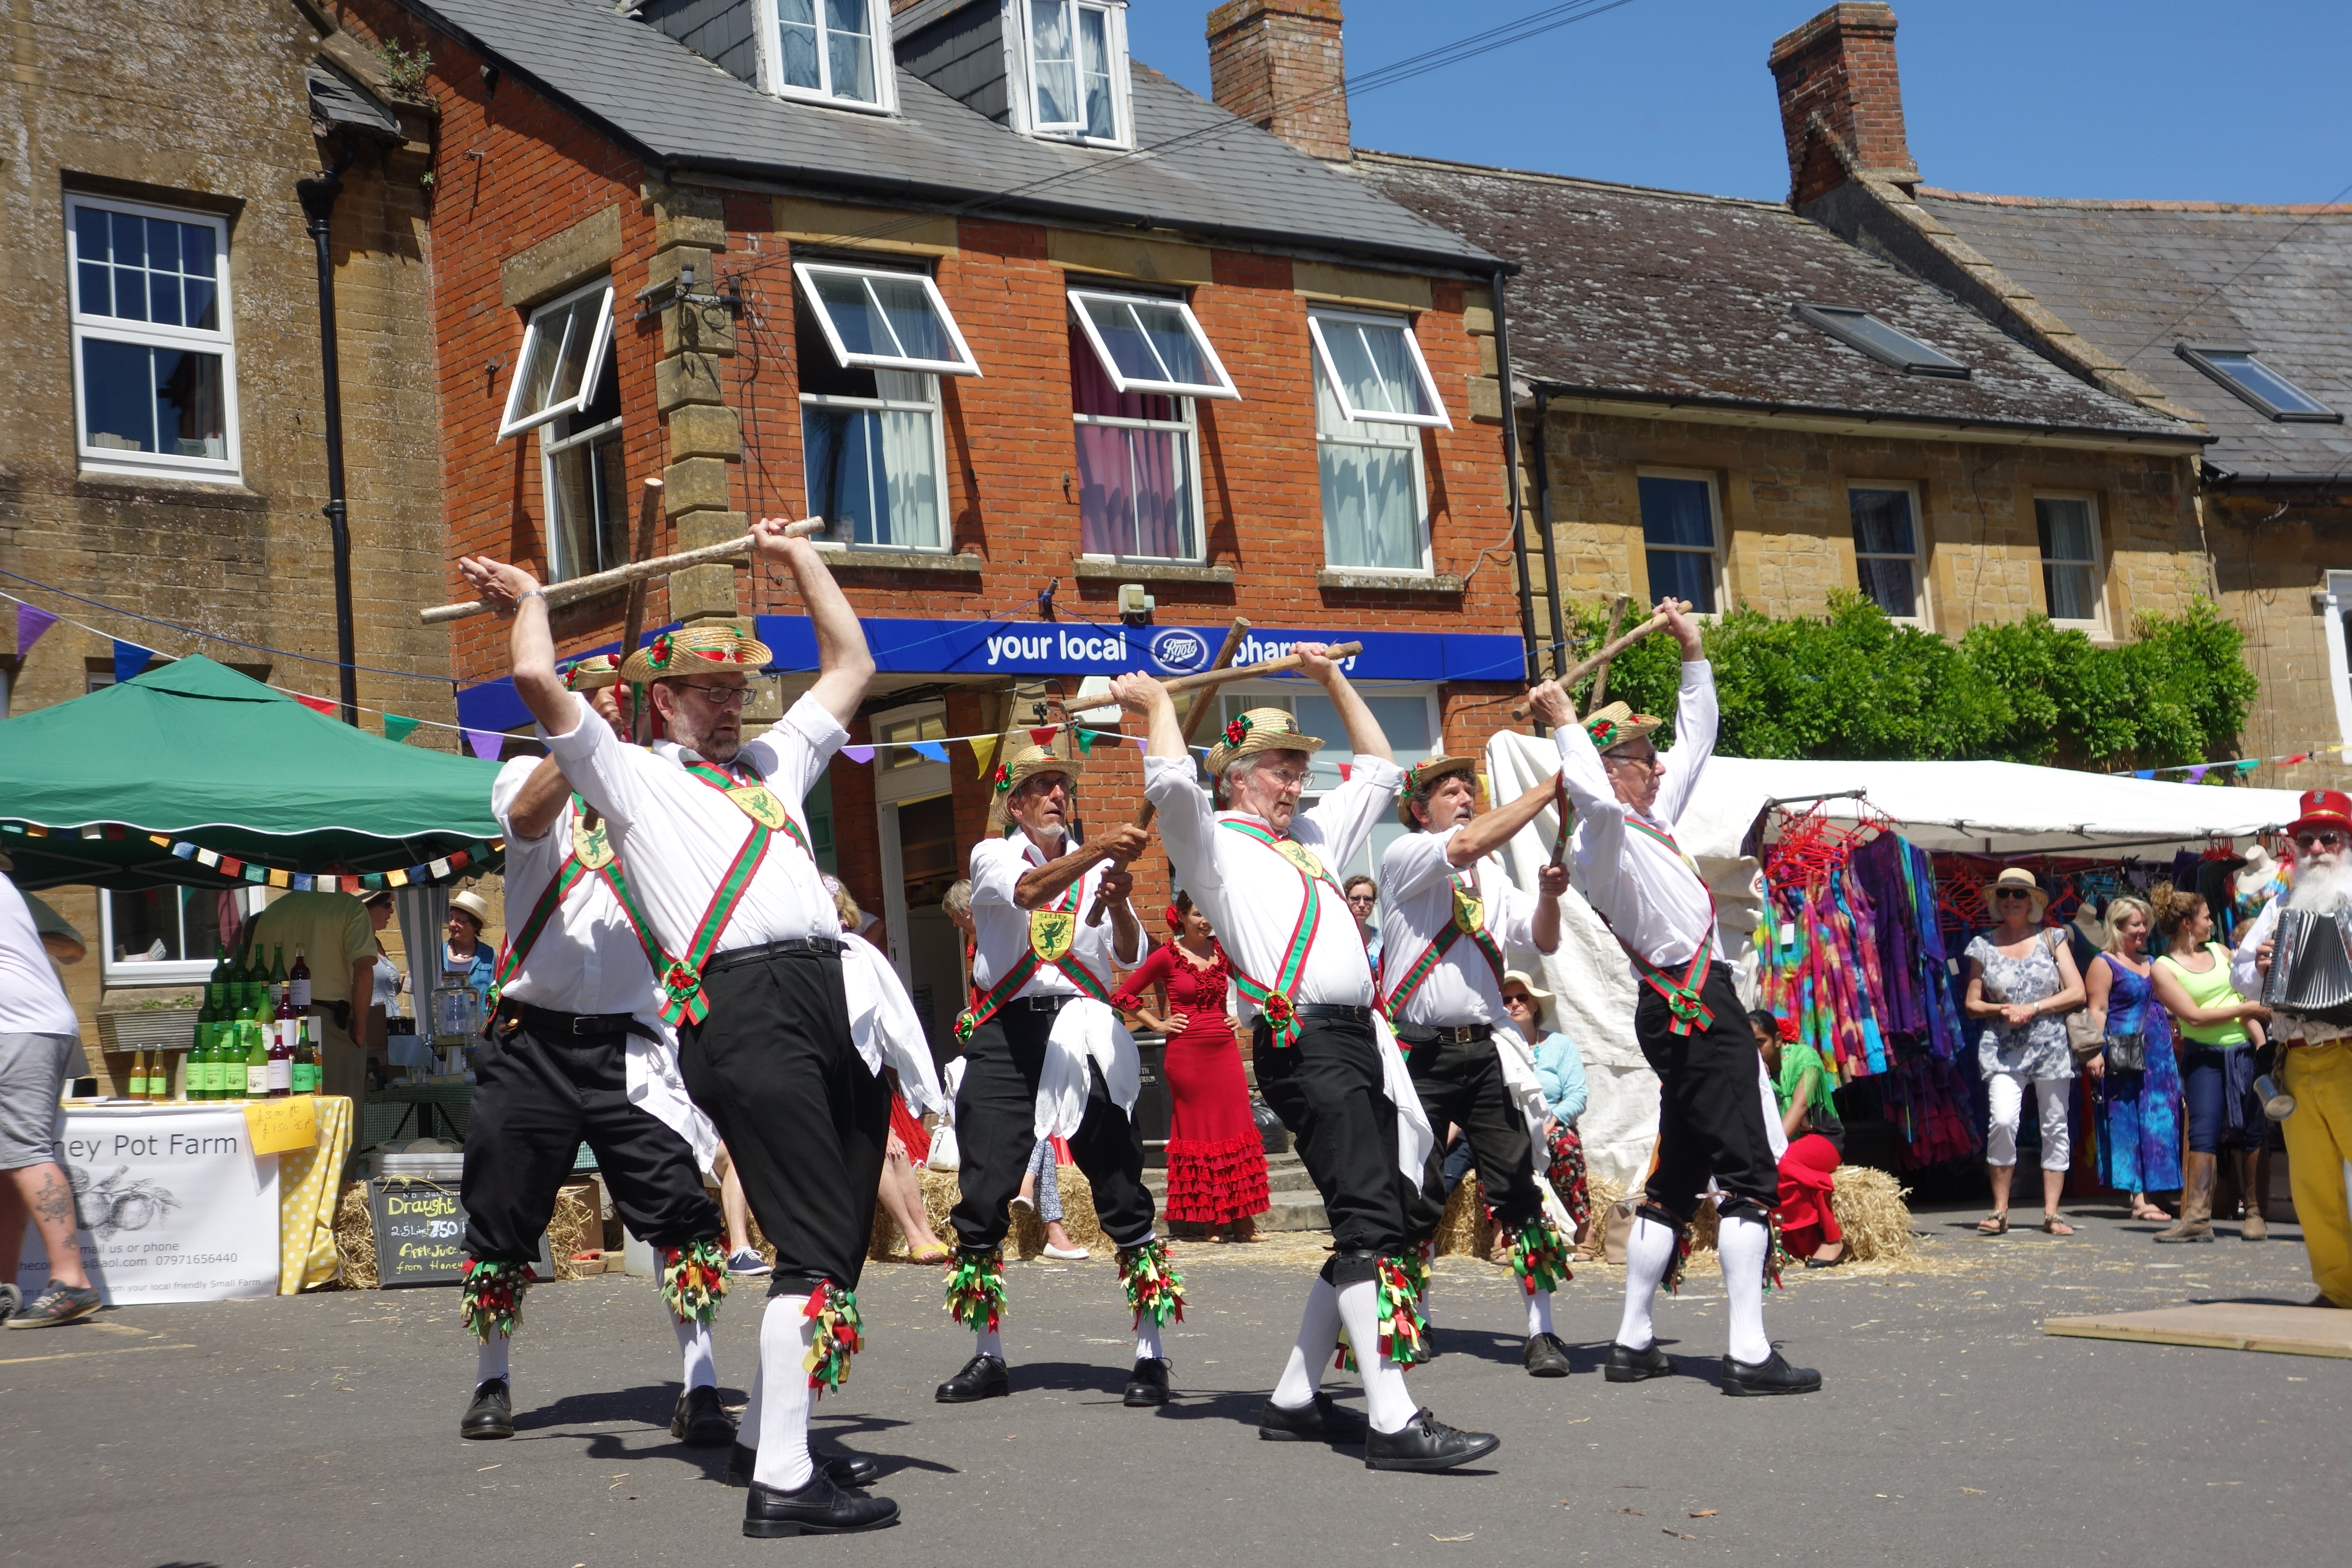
171, 1205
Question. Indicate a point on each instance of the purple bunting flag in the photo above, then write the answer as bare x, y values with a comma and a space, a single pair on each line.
486, 744
31, 622
861, 755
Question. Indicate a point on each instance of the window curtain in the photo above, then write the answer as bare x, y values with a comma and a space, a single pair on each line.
1135, 486
1371, 510
910, 489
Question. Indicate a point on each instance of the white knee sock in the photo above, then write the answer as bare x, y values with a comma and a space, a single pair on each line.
1147, 1342
700, 1365
1318, 1337
992, 1342
1741, 1242
1539, 1313
490, 1361
1385, 1399
1648, 1252
784, 1406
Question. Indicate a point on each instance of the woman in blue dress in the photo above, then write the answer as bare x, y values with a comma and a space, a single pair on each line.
2137, 1076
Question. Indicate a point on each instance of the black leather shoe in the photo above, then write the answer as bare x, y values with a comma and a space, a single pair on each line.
983, 1377
1774, 1376
1547, 1357
1320, 1422
1147, 1385
1631, 1365
1426, 1444
841, 1470
700, 1421
492, 1413
819, 1508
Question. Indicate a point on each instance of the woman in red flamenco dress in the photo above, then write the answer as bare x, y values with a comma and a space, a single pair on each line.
1216, 1157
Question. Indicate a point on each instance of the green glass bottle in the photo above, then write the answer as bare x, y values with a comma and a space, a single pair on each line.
278, 981
253, 1082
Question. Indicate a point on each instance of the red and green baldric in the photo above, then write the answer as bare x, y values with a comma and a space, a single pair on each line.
569, 875
1423, 967
986, 1006
1278, 1001
1682, 995
683, 1000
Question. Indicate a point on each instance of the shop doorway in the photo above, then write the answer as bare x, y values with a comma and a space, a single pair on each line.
915, 816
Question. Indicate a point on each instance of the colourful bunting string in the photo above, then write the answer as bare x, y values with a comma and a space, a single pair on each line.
486, 744
436, 870
397, 728
316, 704
130, 659
931, 749
2196, 771
31, 622
858, 755
983, 752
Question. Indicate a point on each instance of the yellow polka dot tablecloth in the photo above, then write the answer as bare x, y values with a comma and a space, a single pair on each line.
307, 1183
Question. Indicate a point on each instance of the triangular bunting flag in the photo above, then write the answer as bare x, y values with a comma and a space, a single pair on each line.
2197, 774
315, 704
1085, 741
2143, 772
486, 744
130, 659
983, 752
1347, 772
31, 622
861, 755
2251, 763
397, 728
930, 749
1043, 735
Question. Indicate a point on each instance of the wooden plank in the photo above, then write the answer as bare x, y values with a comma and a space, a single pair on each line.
2222, 1325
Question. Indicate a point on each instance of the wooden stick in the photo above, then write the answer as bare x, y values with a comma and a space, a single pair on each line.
622, 577
633, 621
1192, 717
1616, 623
1578, 671
1208, 677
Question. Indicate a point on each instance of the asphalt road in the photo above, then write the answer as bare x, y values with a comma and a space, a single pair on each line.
323, 1429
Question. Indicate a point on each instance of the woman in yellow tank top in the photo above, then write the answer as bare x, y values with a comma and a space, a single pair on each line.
2217, 1068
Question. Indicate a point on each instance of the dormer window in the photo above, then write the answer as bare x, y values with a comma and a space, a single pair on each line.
1077, 66
831, 50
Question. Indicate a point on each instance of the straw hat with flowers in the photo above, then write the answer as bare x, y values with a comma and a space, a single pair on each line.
1422, 778
1259, 729
592, 674
696, 650
1016, 769
1616, 724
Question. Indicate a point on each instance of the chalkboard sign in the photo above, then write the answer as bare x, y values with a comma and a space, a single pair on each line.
420, 1234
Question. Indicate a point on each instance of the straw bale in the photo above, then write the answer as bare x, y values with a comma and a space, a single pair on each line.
576, 1227
1467, 1230
356, 1238
1871, 1211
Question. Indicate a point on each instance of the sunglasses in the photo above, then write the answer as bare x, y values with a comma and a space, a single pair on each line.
1518, 1001
2329, 838
2008, 893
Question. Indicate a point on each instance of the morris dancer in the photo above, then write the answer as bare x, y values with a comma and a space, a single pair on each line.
1689, 1021
1262, 873
1045, 1056
578, 1049
713, 837
2315, 1057
1441, 884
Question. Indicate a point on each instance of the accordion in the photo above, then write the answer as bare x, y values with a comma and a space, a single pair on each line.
2311, 966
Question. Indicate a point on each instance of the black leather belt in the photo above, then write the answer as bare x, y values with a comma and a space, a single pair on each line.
1333, 1010
1036, 1003
738, 955
547, 1021
1456, 1035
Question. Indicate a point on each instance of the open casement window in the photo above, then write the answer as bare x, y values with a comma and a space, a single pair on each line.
585, 485
1375, 494
873, 448
1375, 369
1075, 55
878, 319
1151, 345
1138, 466
154, 350
563, 351
827, 49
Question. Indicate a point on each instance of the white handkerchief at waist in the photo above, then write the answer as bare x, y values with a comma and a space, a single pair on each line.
883, 1024
1414, 1138
656, 1086
1084, 1030
1518, 1064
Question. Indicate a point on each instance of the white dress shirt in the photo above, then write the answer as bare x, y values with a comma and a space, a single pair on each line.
1253, 896
587, 959
2288, 1025
676, 835
1001, 926
1417, 883
1652, 900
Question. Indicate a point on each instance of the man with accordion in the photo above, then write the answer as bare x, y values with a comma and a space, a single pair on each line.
2297, 957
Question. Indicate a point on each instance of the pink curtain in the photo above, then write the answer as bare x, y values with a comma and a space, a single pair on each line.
1131, 498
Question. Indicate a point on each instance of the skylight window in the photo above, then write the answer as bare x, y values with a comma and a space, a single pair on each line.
2259, 384
1376, 370
825, 49
880, 319
1148, 345
562, 349
1861, 331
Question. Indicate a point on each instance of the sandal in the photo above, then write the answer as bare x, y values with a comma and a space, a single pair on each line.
943, 1253
2149, 1211
1994, 1224
2053, 1225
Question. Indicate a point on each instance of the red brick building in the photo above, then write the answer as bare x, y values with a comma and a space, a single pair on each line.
1076, 365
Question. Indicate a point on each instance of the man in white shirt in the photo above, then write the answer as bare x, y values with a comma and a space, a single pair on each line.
1262, 872
1450, 914
40, 1046
714, 837
1044, 1054
1689, 1021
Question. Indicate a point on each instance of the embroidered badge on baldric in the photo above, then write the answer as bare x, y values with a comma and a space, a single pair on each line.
1469, 912
1300, 856
592, 846
1052, 932
760, 803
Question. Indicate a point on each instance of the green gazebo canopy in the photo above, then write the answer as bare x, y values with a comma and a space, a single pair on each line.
215, 763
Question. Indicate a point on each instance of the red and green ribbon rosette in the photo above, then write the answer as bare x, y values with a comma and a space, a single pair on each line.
694, 1280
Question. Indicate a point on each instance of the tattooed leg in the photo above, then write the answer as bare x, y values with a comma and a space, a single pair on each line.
43, 1190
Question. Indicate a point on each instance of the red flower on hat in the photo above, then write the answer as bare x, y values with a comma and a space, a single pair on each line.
1002, 778
658, 652
1238, 731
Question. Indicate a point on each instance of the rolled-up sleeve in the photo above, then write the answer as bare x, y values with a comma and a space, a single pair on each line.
2242, 973
1186, 823
1344, 817
598, 765
793, 753
996, 867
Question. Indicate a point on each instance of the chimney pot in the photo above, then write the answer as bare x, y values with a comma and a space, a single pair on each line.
1278, 63
1841, 100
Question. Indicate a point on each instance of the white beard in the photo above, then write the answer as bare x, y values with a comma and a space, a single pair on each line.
2323, 887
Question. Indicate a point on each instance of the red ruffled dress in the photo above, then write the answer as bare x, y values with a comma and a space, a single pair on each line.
1216, 1159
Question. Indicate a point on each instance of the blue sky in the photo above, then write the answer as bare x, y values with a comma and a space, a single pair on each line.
2063, 97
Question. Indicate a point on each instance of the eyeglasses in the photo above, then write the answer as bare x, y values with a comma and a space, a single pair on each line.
721, 696
1362, 899
2328, 839
1288, 778
1647, 760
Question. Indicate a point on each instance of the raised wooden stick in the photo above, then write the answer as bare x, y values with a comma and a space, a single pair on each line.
1271, 667
622, 577
1616, 623
1577, 672
1192, 717
633, 621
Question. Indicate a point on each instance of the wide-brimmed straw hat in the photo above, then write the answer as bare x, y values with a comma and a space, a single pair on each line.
592, 674
473, 903
1536, 993
1616, 724
691, 650
1423, 775
1017, 769
1259, 729
2017, 877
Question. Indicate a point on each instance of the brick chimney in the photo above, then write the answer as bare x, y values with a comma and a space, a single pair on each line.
1841, 100
1277, 63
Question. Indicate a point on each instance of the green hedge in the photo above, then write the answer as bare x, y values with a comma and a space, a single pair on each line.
1852, 684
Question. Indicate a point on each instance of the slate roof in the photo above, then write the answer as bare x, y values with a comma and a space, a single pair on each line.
1668, 296
1228, 179
2135, 278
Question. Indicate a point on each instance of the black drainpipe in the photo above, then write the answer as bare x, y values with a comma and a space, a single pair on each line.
1511, 467
318, 197
1543, 514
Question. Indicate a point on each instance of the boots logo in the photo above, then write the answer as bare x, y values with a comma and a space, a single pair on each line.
1180, 652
